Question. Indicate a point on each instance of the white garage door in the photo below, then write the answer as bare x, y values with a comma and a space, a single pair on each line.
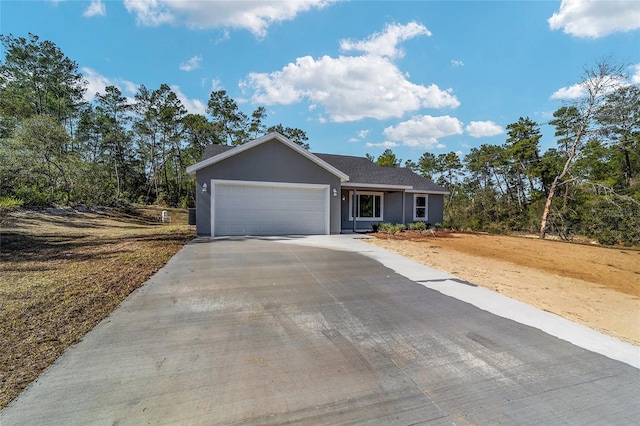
268, 208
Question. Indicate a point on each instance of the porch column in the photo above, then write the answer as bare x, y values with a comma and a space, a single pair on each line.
404, 217
355, 208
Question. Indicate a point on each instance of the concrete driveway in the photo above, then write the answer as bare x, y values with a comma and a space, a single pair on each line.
251, 331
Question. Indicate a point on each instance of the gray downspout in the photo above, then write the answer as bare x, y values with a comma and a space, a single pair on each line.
355, 207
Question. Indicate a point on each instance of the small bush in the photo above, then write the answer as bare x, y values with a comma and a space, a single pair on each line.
417, 226
185, 203
385, 227
399, 228
10, 203
388, 228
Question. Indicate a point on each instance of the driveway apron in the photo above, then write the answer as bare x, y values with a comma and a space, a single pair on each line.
251, 331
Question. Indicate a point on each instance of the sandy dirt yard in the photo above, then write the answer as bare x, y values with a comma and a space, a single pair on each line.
595, 286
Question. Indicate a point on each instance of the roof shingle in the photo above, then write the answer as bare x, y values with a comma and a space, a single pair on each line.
362, 170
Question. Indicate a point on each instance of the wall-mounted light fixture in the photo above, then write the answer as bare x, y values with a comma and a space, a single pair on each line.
204, 187
335, 192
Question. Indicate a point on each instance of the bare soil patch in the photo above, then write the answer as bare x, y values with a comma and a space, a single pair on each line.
595, 286
62, 272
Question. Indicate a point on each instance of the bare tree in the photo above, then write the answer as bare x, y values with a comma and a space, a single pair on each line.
599, 81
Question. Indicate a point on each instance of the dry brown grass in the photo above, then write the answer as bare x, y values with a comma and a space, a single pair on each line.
61, 274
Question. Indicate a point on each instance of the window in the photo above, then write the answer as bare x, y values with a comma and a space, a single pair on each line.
420, 212
369, 206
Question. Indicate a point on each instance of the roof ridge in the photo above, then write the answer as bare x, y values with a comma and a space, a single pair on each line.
342, 155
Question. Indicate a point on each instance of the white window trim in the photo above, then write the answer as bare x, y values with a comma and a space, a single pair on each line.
426, 207
361, 219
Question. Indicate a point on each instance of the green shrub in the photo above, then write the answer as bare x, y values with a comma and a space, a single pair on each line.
399, 228
385, 227
388, 228
417, 226
10, 203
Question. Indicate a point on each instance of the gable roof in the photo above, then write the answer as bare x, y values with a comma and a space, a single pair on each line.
364, 172
220, 153
353, 171
213, 150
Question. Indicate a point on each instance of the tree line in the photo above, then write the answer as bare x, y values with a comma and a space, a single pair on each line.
587, 185
57, 148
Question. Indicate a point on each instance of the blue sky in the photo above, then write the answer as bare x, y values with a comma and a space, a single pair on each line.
357, 76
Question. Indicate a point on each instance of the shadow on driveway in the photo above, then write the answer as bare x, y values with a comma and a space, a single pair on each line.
253, 331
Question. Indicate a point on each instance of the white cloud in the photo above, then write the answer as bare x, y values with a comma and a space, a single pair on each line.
350, 87
594, 19
128, 86
96, 8
424, 131
605, 84
481, 129
254, 16
635, 77
216, 85
386, 43
97, 83
191, 64
224, 36
385, 145
566, 93
149, 12
361, 134
544, 115
456, 63
193, 106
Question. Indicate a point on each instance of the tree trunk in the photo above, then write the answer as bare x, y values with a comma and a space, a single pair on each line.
547, 208
627, 163
554, 185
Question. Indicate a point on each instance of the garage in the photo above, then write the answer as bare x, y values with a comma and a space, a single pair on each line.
268, 208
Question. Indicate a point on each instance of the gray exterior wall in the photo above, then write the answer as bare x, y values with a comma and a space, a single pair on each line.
393, 209
271, 161
346, 223
435, 208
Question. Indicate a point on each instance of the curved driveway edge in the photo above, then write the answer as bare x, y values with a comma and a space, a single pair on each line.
481, 297
279, 331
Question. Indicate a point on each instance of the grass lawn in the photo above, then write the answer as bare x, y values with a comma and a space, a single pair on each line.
62, 272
